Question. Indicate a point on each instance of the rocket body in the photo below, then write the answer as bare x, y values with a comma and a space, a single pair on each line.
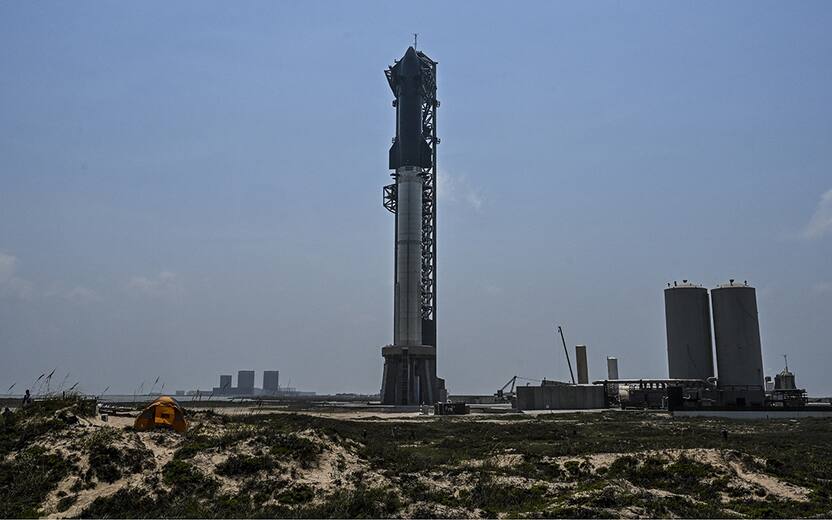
408, 155
407, 330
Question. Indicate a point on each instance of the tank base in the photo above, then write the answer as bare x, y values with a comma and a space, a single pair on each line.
410, 376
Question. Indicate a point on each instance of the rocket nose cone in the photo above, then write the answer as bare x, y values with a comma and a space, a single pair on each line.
410, 64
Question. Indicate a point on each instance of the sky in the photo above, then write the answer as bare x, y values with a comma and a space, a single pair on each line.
195, 188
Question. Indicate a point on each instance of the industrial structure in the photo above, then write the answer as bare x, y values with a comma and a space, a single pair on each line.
612, 368
581, 364
271, 382
739, 379
688, 323
245, 384
739, 356
245, 381
409, 376
556, 395
785, 380
785, 392
739, 383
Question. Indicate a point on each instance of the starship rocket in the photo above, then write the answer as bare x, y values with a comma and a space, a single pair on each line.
410, 362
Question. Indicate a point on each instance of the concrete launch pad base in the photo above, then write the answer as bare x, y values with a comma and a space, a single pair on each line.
410, 376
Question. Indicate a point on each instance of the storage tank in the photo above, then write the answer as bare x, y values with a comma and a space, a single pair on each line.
785, 380
612, 368
739, 356
580, 360
687, 316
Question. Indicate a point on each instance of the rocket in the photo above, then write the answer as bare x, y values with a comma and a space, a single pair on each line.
409, 154
409, 376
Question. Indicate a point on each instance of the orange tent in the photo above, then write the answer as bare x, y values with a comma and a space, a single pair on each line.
164, 412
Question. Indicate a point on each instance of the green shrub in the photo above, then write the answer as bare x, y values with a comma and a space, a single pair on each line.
283, 445
500, 497
185, 478
684, 476
26, 429
109, 462
297, 494
125, 503
240, 465
27, 479
196, 440
363, 502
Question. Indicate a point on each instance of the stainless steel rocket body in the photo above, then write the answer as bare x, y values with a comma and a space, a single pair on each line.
407, 311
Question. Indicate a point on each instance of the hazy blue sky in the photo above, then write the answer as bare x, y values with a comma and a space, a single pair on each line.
192, 188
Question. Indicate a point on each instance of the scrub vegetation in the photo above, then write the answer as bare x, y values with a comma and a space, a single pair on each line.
611, 464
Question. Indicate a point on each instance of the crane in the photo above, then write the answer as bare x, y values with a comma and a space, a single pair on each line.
506, 396
565, 351
501, 392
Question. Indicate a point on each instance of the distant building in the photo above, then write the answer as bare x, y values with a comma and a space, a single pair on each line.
245, 385
245, 382
225, 387
271, 379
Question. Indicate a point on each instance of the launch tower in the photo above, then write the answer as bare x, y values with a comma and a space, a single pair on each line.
410, 362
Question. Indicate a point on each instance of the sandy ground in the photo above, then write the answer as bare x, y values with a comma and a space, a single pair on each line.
339, 466
725, 460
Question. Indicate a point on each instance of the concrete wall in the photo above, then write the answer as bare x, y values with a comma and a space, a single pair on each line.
560, 397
